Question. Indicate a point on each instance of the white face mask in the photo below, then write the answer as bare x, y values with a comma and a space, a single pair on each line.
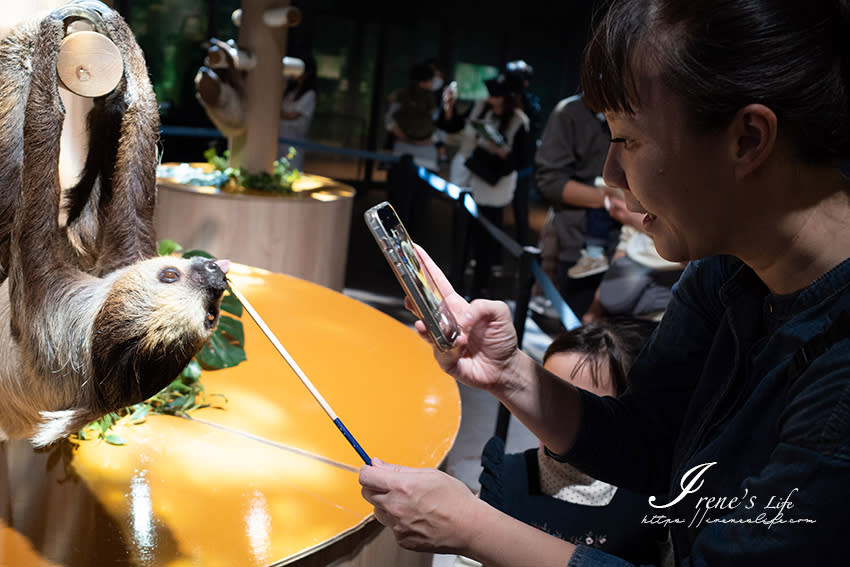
436, 83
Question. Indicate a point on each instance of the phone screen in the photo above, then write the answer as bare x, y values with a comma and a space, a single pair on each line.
398, 249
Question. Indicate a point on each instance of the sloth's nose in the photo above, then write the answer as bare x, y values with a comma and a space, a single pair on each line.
224, 265
211, 275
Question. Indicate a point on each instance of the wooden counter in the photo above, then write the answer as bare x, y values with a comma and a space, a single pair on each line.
267, 481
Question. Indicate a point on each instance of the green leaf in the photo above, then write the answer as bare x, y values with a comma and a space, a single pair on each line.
218, 162
167, 247
192, 370
201, 253
230, 304
106, 422
219, 353
140, 414
114, 439
231, 328
178, 403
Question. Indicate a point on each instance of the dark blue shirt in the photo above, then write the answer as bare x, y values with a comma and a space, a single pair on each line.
755, 458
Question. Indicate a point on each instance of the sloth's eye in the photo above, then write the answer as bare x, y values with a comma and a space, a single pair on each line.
169, 275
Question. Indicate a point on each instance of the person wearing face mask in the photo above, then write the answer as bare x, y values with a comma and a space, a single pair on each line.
493, 143
410, 118
409, 122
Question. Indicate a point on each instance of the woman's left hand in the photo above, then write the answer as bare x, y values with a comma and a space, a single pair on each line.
426, 509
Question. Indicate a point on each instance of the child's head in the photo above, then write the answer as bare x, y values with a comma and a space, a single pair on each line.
597, 356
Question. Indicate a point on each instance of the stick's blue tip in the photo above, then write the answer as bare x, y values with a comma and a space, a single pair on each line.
353, 442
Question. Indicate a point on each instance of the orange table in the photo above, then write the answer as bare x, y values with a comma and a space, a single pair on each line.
267, 481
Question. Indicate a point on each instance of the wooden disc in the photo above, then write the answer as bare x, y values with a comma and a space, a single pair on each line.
89, 64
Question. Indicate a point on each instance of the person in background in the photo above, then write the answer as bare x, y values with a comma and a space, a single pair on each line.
568, 162
438, 85
729, 121
410, 128
525, 173
296, 113
410, 117
639, 282
491, 149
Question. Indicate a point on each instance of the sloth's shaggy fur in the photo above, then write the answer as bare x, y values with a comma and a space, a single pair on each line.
90, 320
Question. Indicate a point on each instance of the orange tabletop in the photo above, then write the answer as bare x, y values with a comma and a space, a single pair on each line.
265, 481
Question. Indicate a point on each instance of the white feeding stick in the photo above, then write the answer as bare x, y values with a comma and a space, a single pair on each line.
300, 373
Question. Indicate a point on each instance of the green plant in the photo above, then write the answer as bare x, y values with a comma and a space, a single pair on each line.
279, 181
224, 349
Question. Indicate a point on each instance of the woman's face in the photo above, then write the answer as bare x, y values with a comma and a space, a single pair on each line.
496, 102
681, 180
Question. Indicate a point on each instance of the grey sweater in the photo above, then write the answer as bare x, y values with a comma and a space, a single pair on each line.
574, 146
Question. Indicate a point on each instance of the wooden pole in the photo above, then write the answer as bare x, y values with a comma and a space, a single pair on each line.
256, 148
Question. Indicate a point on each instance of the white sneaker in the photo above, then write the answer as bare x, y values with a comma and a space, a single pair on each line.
588, 266
542, 306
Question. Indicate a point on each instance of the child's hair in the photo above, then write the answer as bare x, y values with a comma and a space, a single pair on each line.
616, 341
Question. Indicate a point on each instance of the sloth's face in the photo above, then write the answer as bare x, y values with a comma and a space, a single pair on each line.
205, 275
181, 297
157, 315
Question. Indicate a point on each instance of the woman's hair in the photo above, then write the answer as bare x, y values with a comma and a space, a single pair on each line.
510, 104
721, 55
614, 343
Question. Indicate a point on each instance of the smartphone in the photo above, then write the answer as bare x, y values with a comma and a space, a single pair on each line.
418, 285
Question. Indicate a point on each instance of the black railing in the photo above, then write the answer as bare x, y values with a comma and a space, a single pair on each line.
528, 261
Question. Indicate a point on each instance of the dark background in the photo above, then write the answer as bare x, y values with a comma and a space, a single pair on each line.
363, 50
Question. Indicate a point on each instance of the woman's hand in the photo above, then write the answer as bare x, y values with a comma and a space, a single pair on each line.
430, 511
487, 343
426, 509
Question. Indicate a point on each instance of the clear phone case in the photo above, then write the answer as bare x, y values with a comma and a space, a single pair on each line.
397, 247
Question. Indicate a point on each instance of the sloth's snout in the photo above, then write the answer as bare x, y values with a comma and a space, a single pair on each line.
210, 274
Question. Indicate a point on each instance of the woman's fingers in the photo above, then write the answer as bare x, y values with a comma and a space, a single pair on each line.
377, 477
440, 279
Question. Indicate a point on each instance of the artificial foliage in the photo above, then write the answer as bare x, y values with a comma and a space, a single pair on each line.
279, 181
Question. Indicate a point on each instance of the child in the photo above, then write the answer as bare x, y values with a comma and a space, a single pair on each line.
556, 497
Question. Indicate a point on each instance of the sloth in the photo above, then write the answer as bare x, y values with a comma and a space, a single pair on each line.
91, 320
102, 344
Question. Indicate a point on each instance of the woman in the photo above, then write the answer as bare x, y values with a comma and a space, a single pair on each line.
727, 120
493, 145
296, 113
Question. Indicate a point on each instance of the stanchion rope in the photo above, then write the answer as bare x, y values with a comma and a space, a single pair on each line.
565, 313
